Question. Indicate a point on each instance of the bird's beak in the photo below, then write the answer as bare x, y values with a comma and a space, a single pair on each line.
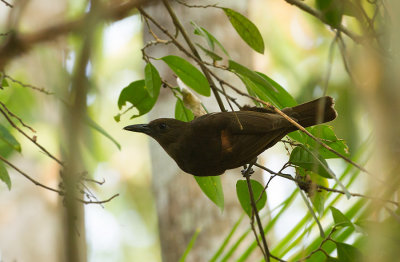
142, 128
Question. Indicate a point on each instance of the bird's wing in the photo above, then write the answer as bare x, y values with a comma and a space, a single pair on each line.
250, 122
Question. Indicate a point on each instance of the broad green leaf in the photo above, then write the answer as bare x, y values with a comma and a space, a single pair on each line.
181, 112
136, 93
326, 133
212, 188
250, 74
348, 253
302, 158
211, 40
246, 29
243, 195
340, 219
9, 139
90, 122
332, 11
4, 176
273, 92
211, 54
190, 245
189, 74
152, 79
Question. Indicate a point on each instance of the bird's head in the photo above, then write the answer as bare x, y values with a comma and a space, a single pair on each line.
164, 130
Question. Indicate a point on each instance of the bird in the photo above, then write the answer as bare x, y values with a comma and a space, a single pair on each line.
215, 142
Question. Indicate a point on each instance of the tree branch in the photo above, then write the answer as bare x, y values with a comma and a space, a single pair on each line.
18, 44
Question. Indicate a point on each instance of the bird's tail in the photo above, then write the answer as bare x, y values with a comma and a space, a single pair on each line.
314, 112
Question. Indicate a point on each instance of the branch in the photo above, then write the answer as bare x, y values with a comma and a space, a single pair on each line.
7, 4
265, 251
356, 38
305, 184
194, 51
30, 178
18, 44
33, 140
28, 85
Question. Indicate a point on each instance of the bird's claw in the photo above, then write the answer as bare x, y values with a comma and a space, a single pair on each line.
247, 170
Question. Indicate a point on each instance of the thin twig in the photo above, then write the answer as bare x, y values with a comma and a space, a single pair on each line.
196, 6
33, 140
329, 237
17, 117
317, 14
30, 178
302, 183
98, 202
20, 43
205, 70
7, 4
28, 85
246, 174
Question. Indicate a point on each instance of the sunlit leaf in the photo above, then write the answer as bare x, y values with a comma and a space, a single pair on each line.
9, 139
243, 195
137, 94
328, 136
189, 74
246, 29
182, 113
212, 188
4, 176
152, 79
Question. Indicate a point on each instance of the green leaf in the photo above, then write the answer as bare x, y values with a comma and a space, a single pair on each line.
243, 195
152, 79
211, 40
340, 219
212, 188
211, 54
332, 259
326, 133
250, 74
4, 83
9, 139
246, 29
4, 176
136, 93
189, 74
190, 245
182, 113
302, 158
90, 122
348, 253
273, 92
332, 11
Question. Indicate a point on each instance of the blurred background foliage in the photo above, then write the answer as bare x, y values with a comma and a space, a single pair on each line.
299, 55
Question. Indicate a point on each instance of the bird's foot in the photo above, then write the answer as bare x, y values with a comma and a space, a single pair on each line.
247, 170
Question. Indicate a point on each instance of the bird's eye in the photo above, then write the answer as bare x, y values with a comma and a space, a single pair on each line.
162, 126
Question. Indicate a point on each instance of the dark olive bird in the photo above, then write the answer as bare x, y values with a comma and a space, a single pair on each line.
213, 143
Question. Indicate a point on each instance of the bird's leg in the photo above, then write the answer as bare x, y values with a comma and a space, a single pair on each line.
247, 169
